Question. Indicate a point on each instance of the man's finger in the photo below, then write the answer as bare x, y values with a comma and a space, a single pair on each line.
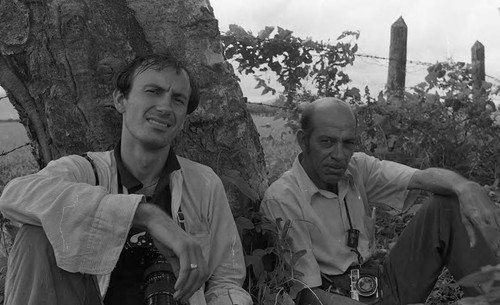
190, 286
183, 273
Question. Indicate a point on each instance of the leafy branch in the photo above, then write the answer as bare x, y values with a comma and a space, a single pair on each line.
293, 60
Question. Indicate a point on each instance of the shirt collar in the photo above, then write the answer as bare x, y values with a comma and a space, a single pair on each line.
132, 183
307, 185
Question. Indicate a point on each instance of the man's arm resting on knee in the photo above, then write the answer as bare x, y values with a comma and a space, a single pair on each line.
476, 207
317, 296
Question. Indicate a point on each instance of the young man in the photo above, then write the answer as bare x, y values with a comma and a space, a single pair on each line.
327, 194
85, 240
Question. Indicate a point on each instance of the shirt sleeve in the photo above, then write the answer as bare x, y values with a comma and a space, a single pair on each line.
225, 283
385, 182
274, 206
85, 225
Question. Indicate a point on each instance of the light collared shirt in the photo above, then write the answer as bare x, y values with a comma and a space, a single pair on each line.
320, 218
87, 225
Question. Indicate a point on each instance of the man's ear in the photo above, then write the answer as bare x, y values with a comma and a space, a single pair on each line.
302, 140
119, 101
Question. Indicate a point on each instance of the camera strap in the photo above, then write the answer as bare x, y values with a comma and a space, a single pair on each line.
352, 235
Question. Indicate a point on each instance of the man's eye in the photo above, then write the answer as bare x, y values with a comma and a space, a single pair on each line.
180, 101
153, 91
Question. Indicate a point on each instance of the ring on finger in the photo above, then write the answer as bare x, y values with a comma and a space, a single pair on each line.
193, 266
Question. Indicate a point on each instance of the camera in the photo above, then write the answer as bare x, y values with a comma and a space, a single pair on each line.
159, 279
365, 285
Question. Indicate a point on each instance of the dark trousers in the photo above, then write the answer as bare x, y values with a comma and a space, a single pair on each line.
33, 277
434, 238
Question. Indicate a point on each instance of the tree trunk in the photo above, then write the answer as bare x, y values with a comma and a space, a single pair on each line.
58, 58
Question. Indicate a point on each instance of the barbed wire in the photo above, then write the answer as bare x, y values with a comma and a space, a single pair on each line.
4, 153
416, 62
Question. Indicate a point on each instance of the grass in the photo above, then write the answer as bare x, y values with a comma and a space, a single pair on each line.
19, 162
279, 145
280, 149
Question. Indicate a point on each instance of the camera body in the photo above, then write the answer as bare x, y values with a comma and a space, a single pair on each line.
365, 284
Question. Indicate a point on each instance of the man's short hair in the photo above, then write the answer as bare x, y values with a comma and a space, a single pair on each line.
157, 62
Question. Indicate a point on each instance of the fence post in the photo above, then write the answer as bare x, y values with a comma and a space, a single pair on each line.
478, 71
397, 62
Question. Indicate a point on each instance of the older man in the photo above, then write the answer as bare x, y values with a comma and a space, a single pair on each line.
328, 194
132, 216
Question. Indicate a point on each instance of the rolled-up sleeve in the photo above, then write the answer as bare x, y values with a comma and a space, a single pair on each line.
384, 181
85, 225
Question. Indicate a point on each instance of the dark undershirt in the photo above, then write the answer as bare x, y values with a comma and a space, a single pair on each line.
126, 283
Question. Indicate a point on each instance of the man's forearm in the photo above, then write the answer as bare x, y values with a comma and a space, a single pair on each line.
439, 181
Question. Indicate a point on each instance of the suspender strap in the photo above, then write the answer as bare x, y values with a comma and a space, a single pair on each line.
86, 156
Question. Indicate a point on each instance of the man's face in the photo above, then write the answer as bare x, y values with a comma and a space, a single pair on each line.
329, 148
155, 109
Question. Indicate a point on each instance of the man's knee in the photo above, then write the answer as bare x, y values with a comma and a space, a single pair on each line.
442, 206
31, 243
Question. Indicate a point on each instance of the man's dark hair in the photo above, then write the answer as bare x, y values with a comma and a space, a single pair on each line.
157, 62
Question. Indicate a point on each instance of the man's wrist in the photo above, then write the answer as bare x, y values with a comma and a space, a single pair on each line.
143, 214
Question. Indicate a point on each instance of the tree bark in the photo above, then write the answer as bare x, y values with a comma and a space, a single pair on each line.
58, 59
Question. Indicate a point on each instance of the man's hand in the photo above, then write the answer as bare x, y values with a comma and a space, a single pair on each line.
477, 209
168, 238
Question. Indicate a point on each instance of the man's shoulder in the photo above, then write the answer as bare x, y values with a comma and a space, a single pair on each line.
284, 187
101, 158
193, 167
359, 157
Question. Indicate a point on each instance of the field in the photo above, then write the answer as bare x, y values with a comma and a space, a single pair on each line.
19, 162
280, 149
279, 145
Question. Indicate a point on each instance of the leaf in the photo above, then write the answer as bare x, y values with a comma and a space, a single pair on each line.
264, 34
295, 289
296, 256
286, 299
283, 34
256, 263
486, 85
244, 223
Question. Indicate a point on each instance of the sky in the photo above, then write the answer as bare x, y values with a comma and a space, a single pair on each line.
437, 30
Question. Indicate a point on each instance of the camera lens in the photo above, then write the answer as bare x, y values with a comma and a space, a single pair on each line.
367, 285
159, 281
